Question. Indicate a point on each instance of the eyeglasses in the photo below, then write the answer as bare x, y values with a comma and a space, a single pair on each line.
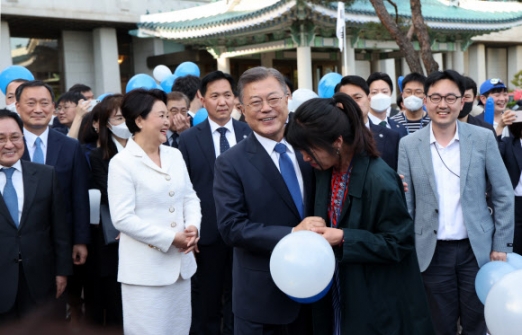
495, 81
62, 108
257, 105
419, 93
450, 98
15, 138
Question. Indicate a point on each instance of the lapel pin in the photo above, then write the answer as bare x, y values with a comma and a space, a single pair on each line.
381, 135
244, 136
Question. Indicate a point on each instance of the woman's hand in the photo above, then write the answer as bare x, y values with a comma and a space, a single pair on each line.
309, 222
192, 236
334, 236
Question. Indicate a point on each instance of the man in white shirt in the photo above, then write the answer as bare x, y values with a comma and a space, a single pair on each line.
444, 165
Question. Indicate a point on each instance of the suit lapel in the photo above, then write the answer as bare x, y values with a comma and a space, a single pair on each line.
30, 186
5, 212
206, 143
266, 167
424, 152
307, 174
241, 132
54, 145
517, 152
466, 148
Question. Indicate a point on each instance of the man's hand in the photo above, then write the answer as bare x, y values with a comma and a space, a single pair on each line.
498, 256
507, 118
309, 222
404, 184
61, 284
79, 254
82, 108
181, 122
334, 236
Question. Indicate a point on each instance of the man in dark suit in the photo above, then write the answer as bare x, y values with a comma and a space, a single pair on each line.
34, 102
178, 105
262, 194
387, 140
200, 146
35, 252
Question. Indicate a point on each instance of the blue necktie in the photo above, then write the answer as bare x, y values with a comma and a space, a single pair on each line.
38, 156
223, 142
10, 197
288, 172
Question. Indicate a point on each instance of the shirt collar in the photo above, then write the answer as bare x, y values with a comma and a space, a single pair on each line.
214, 126
17, 166
375, 119
455, 137
30, 138
269, 144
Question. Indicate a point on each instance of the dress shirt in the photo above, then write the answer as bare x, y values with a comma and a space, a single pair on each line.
216, 136
451, 219
18, 184
30, 140
518, 189
269, 146
367, 124
377, 121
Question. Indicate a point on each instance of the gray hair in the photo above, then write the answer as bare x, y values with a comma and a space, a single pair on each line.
257, 74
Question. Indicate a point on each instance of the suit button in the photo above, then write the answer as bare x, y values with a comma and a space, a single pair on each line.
381, 135
173, 224
437, 211
171, 193
435, 231
167, 178
172, 209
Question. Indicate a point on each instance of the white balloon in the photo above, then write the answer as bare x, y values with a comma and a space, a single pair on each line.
161, 72
302, 264
503, 308
299, 96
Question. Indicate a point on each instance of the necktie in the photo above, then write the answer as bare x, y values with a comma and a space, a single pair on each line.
174, 138
38, 156
223, 142
289, 176
10, 197
383, 124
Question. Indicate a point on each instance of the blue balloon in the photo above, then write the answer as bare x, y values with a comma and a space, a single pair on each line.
515, 260
187, 68
489, 110
488, 275
200, 116
327, 84
141, 80
315, 298
103, 96
166, 84
401, 78
11, 73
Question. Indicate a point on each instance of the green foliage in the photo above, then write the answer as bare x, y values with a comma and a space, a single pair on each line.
517, 79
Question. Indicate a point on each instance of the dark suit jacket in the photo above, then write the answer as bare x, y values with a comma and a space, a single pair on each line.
72, 171
396, 126
387, 141
43, 238
481, 123
197, 147
255, 211
511, 152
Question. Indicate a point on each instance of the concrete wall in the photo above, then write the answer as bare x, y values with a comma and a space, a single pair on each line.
78, 59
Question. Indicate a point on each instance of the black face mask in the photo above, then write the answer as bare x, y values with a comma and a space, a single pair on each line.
468, 106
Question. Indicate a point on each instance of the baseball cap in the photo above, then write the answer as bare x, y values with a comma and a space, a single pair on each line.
490, 84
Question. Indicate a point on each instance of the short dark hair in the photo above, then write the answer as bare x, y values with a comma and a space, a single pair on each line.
86, 133
177, 96
70, 96
80, 88
188, 85
380, 76
212, 77
289, 83
353, 80
470, 84
7, 114
33, 83
16, 81
319, 122
259, 73
516, 129
139, 102
451, 75
413, 77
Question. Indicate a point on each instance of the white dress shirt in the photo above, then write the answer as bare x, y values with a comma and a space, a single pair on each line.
216, 135
30, 140
18, 183
269, 146
518, 189
451, 219
377, 121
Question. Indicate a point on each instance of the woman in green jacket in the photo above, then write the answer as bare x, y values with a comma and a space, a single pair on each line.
377, 286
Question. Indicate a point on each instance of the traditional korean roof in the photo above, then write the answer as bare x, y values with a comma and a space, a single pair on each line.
231, 18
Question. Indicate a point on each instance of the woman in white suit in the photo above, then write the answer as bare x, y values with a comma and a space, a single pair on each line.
155, 208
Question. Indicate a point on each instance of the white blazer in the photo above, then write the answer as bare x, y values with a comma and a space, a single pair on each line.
149, 205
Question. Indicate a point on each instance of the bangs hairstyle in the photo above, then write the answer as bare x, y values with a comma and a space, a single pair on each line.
319, 122
139, 102
110, 104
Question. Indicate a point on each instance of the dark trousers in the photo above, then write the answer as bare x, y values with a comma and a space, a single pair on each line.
450, 287
23, 304
301, 326
517, 238
214, 290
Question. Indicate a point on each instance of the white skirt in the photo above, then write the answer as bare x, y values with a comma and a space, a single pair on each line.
157, 310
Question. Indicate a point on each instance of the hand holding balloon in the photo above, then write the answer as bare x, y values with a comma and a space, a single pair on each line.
334, 236
310, 222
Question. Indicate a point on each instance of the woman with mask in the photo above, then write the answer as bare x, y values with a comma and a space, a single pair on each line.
377, 286
157, 211
102, 290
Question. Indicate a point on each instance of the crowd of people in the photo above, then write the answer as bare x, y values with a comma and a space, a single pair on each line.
124, 214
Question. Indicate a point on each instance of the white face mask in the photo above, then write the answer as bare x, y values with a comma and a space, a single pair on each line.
380, 102
121, 131
413, 103
12, 107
